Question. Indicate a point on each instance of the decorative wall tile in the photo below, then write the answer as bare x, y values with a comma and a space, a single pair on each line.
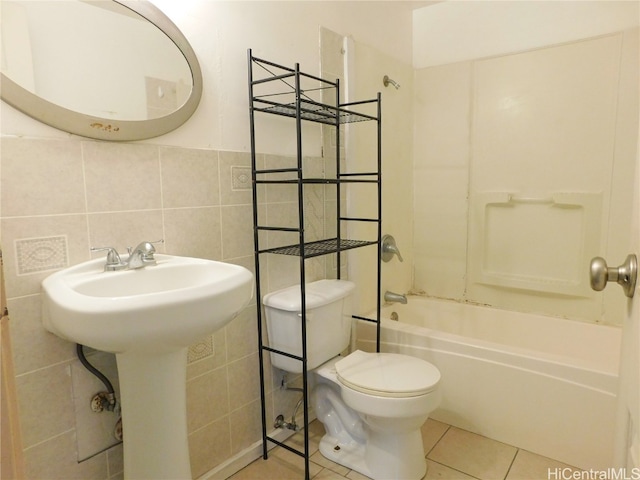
201, 350
73, 227
230, 163
41, 254
211, 362
240, 178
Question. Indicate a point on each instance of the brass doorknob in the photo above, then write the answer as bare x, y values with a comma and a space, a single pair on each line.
625, 274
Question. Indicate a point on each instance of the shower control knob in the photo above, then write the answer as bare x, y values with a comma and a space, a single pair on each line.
625, 274
389, 248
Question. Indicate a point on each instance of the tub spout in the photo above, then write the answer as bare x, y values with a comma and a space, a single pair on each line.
395, 298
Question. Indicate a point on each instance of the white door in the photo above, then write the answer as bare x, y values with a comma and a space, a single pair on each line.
628, 436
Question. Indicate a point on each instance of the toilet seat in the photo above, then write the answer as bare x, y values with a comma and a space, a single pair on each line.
387, 374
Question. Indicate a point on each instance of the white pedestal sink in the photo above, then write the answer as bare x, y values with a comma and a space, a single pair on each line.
148, 317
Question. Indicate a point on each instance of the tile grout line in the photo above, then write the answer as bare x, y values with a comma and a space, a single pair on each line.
512, 462
456, 470
439, 440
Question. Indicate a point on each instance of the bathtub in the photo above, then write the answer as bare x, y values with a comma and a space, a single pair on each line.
547, 385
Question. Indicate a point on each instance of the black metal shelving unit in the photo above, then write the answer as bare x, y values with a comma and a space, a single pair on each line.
278, 90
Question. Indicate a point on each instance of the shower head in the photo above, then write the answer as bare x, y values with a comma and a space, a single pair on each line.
388, 81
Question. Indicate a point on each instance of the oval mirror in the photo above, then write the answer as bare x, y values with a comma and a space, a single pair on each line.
111, 70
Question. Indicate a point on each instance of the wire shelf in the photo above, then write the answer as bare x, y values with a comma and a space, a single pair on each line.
315, 112
288, 92
320, 247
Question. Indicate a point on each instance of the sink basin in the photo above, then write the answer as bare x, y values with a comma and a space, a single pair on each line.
157, 308
148, 317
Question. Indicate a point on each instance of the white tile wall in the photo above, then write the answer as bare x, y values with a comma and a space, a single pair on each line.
531, 124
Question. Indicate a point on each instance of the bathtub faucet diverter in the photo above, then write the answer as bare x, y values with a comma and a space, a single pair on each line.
389, 249
391, 297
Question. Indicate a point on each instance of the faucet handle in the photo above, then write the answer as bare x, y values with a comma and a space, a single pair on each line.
146, 247
114, 262
389, 248
156, 241
142, 255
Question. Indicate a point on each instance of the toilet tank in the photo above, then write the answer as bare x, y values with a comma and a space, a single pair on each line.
328, 305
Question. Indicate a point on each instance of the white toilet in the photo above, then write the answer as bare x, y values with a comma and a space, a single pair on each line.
372, 405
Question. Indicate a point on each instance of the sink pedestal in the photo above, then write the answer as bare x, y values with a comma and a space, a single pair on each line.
148, 317
154, 415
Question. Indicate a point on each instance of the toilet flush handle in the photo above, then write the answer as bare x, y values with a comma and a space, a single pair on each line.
625, 274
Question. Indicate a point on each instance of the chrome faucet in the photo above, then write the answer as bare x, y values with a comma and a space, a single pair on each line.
142, 255
395, 298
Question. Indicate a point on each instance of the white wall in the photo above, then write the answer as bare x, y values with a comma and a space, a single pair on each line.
371, 66
455, 31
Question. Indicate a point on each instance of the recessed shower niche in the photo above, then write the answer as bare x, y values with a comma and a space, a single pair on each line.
513, 235
542, 188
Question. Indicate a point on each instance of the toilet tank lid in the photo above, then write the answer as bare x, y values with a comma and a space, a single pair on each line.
317, 294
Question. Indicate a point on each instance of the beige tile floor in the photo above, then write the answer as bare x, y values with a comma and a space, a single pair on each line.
451, 453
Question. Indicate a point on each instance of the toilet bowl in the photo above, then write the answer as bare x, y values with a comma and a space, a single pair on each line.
372, 405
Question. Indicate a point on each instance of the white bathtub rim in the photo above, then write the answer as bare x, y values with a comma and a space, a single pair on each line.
498, 348
558, 329
568, 369
605, 391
